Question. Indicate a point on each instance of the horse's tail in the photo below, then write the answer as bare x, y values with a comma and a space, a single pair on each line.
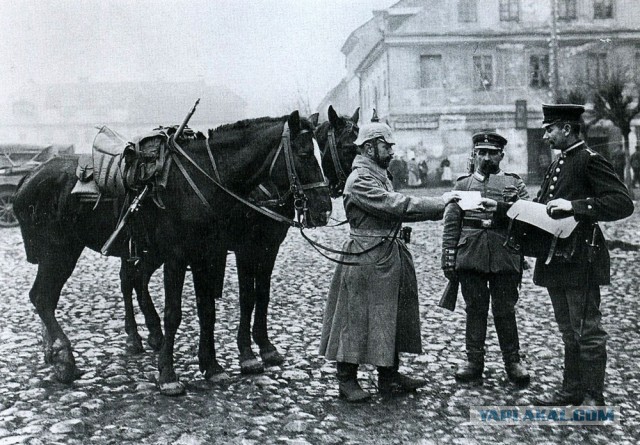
41, 205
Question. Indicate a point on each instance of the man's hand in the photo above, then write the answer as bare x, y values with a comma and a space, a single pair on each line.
559, 208
489, 205
449, 264
449, 197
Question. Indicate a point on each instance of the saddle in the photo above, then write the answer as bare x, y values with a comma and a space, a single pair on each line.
117, 166
533, 233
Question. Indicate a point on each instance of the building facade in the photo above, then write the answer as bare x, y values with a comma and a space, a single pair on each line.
439, 70
69, 113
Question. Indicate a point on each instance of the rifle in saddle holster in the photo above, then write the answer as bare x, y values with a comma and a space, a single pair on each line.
135, 204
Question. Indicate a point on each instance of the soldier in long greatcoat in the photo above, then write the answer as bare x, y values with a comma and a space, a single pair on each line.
474, 252
372, 312
579, 183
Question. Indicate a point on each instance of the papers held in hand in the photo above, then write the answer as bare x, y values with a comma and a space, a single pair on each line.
470, 200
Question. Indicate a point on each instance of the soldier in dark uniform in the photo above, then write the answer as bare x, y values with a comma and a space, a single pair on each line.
582, 183
474, 253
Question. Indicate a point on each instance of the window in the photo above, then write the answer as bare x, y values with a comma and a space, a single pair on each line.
567, 9
597, 72
602, 9
431, 71
467, 11
539, 71
482, 72
509, 10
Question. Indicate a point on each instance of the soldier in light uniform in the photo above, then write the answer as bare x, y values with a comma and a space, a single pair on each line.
488, 272
579, 183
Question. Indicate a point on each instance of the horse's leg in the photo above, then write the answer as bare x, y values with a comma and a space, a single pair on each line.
54, 270
127, 278
268, 352
249, 364
174, 272
151, 317
207, 282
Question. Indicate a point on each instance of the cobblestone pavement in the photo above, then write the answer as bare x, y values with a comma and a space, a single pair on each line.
116, 401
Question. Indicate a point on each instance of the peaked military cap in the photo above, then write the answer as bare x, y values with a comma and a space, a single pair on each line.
566, 113
374, 130
488, 140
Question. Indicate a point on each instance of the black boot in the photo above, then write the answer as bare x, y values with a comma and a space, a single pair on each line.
348, 385
571, 392
516, 372
471, 371
390, 382
593, 372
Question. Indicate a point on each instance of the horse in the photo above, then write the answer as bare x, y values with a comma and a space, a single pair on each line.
189, 232
256, 239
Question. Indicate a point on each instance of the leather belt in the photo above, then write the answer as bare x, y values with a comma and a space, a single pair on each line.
482, 224
372, 232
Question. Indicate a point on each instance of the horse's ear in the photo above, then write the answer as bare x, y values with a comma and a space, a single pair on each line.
333, 117
356, 116
294, 122
314, 119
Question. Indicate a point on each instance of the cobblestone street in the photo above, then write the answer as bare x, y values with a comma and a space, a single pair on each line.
116, 400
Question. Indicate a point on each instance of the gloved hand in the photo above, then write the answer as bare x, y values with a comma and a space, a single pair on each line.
510, 193
449, 263
450, 273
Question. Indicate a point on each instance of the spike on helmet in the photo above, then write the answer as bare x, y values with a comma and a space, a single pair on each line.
375, 117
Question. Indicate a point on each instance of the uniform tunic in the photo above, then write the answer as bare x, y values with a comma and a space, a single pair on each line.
372, 309
482, 249
587, 179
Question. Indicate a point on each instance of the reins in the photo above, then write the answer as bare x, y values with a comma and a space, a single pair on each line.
295, 187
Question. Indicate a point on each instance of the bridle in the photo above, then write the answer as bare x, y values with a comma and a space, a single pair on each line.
296, 188
341, 176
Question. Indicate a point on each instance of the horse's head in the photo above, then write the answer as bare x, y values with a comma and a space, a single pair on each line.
336, 138
301, 172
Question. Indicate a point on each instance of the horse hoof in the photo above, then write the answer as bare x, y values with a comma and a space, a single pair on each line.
220, 377
272, 358
172, 389
251, 366
66, 372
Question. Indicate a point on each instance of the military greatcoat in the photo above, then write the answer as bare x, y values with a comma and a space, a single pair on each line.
586, 178
372, 309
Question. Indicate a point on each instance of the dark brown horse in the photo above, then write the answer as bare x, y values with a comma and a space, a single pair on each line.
256, 239
56, 227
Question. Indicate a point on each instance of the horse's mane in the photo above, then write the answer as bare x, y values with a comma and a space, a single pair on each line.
240, 125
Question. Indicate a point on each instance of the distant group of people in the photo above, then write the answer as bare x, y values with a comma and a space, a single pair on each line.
412, 174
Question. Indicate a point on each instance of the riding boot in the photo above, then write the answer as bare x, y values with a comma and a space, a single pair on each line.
507, 331
390, 381
475, 337
348, 385
593, 373
571, 392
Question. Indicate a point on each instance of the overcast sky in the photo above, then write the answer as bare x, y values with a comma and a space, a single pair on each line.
268, 51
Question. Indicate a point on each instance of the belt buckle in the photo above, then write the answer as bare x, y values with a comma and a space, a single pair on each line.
486, 223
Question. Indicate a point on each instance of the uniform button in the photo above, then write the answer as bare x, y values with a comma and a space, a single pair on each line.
552, 187
550, 195
561, 162
555, 178
557, 169
589, 206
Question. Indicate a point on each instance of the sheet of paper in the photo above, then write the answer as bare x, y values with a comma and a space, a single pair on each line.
470, 200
